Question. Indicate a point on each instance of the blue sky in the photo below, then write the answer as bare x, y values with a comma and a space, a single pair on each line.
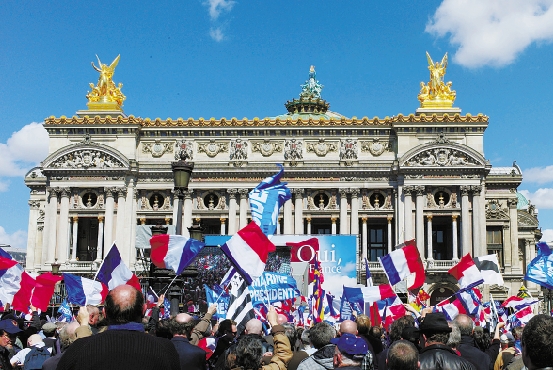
221, 58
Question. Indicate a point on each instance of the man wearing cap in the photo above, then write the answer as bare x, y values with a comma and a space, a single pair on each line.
508, 351
50, 341
8, 331
437, 354
349, 351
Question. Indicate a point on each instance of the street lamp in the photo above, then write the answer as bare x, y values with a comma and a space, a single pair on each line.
182, 171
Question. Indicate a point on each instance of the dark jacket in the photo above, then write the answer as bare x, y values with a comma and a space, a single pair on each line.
442, 357
191, 357
5, 359
474, 355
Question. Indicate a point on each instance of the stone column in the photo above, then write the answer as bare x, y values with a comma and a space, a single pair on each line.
477, 220
175, 205
355, 211
507, 250
308, 220
243, 207
278, 225
516, 263
288, 221
50, 227
298, 210
390, 234
364, 237
454, 236
100, 250
75, 239
132, 207
333, 220
398, 214
429, 249
120, 236
232, 211
63, 231
408, 212
419, 215
31, 261
344, 211
466, 245
223, 228
109, 210
530, 253
187, 212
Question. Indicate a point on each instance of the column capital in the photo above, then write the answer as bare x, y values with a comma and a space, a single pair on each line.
75, 218
100, 219
243, 193
343, 192
232, 193
121, 191
188, 194
34, 204
333, 219
167, 221
454, 218
298, 192
109, 191
421, 190
354, 192
389, 218
65, 192
512, 203
52, 192
142, 220
476, 189
464, 190
223, 220
364, 219
407, 190
429, 217
308, 219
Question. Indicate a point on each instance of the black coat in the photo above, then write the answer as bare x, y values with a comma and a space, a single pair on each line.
469, 351
191, 357
442, 357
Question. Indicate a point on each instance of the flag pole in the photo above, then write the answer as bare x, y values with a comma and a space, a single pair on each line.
169, 285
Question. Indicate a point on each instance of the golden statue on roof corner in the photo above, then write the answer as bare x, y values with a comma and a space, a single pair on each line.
105, 95
436, 93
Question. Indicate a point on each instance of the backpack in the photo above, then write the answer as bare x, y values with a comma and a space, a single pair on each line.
35, 358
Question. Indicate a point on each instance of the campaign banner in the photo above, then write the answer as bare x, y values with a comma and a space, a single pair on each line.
273, 287
212, 296
337, 255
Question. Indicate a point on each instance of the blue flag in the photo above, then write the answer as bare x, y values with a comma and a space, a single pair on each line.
540, 270
266, 200
65, 313
219, 296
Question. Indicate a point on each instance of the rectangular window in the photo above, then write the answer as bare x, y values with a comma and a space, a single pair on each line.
377, 242
494, 242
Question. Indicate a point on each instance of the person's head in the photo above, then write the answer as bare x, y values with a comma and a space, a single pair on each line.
33, 340
321, 333
181, 325
67, 334
348, 327
517, 332
507, 340
227, 329
396, 328
537, 342
124, 304
49, 329
411, 334
254, 326
282, 319
8, 332
290, 332
305, 341
455, 335
376, 332
402, 355
249, 352
349, 350
363, 324
435, 329
465, 324
93, 315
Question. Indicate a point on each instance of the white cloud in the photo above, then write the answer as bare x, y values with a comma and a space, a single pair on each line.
538, 175
547, 235
16, 240
541, 198
216, 34
216, 7
23, 150
492, 32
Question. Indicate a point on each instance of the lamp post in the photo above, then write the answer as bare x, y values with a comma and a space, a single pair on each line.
182, 171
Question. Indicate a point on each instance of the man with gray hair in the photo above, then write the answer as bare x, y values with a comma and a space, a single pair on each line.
467, 347
191, 357
320, 335
402, 355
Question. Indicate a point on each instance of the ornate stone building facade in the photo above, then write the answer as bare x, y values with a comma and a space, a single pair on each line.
422, 175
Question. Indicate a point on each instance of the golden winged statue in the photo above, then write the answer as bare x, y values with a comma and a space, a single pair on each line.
436, 93
105, 95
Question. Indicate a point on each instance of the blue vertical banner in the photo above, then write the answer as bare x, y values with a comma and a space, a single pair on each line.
218, 296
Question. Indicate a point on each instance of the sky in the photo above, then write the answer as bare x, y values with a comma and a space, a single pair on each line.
222, 58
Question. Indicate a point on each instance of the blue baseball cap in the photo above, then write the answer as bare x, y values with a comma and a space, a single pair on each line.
10, 326
351, 345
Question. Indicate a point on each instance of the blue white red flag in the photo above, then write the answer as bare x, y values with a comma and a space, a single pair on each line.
174, 252
17, 285
469, 300
368, 274
151, 297
390, 309
208, 344
402, 262
114, 272
266, 200
248, 251
518, 303
540, 270
519, 318
83, 291
467, 273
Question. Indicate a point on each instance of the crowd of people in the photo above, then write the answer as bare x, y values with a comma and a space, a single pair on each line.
119, 336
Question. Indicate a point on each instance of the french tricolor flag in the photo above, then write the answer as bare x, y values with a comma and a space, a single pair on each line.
377, 292
17, 285
451, 308
402, 262
83, 291
467, 273
174, 252
248, 250
519, 303
113, 271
